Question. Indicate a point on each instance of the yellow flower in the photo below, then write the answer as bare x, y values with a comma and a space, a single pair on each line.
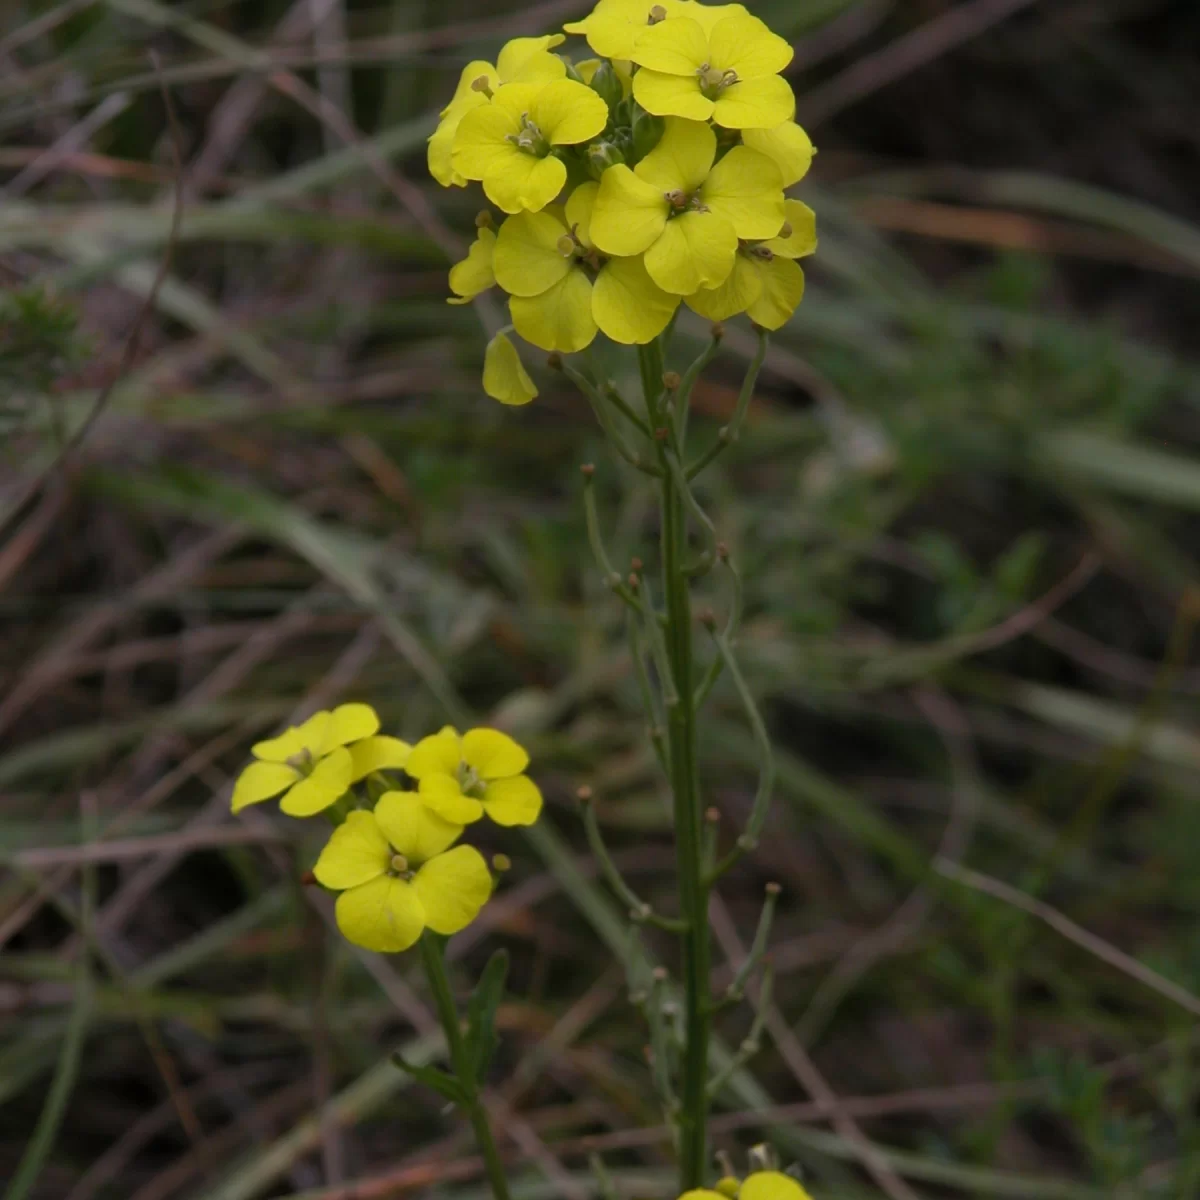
765, 283
685, 214
727, 73
613, 26
762, 1185
504, 376
523, 60
398, 876
787, 145
508, 143
314, 763
461, 778
475, 273
563, 289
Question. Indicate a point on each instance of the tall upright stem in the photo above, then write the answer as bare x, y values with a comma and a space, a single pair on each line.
681, 725
433, 959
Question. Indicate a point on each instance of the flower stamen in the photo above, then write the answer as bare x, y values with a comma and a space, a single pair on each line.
656, 15
529, 139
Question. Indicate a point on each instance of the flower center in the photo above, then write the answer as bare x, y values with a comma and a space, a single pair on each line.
529, 139
681, 202
713, 81
469, 781
301, 761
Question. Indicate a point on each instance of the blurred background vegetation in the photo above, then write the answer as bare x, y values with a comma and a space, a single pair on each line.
967, 512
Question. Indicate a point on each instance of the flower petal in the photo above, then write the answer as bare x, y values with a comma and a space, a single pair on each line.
516, 801
441, 752
476, 273
465, 96
671, 95
481, 139
568, 112
504, 375
771, 1185
745, 45
745, 187
260, 781
761, 103
676, 46
516, 54
787, 145
356, 853
384, 915
328, 781
519, 181
743, 287
349, 723
413, 828
444, 796
802, 241
783, 289
307, 736
492, 754
629, 213
702, 1194
695, 250
559, 319
682, 159
628, 305
453, 888
528, 259
377, 754
580, 206
441, 149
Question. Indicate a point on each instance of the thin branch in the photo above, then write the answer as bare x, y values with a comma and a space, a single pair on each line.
639, 911
728, 434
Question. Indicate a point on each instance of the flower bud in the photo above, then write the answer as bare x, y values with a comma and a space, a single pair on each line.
501, 863
602, 155
671, 380
647, 132
606, 83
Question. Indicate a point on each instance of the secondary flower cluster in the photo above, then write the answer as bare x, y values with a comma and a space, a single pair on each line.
761, 1185
393, 856
649, 175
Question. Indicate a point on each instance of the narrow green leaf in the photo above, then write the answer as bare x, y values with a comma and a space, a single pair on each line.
481, 1014
445, 1084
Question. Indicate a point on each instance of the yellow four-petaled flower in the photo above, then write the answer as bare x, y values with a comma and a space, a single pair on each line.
313, 764
398, 875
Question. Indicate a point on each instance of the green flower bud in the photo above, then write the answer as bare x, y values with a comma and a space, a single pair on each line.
602, 155
607, 85
647, 133
572, 70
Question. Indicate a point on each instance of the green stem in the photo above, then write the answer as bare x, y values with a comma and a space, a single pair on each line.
432, 957
693, 891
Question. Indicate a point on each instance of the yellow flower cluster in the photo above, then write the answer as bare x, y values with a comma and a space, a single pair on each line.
649, 175
396, 865
762, 1185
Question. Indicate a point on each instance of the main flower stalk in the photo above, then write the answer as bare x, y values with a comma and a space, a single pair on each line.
434, 962
681, 728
